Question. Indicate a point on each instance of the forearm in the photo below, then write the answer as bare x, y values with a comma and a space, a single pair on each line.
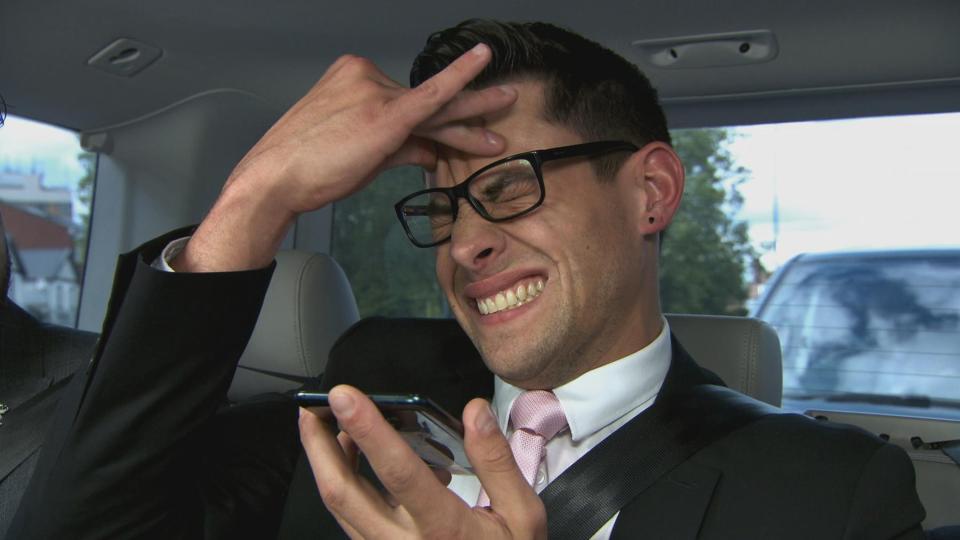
243, 230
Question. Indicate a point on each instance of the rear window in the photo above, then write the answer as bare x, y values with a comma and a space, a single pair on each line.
870, 332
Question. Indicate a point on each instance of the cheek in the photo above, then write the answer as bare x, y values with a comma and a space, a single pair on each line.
441, 265
444, 268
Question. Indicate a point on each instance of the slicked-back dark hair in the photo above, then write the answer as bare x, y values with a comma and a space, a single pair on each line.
587, 88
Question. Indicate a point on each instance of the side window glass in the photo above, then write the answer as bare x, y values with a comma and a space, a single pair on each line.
390, 276
46, 187
707, 261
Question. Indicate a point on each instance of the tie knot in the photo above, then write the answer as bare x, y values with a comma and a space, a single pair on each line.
538, 411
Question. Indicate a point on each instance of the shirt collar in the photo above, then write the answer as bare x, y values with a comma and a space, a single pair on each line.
600, 396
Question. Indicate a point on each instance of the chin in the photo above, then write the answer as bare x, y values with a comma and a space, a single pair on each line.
518, 367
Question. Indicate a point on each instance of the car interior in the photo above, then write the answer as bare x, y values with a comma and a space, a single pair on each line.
170, 95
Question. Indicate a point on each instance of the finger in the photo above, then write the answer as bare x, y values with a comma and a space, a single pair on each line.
349, 449
470, 139
443, 476
416, 151
399, 469
350, 499
472, 104
489, 453
349, 529
420, 103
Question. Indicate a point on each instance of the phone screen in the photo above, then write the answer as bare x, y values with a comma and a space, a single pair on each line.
434, 434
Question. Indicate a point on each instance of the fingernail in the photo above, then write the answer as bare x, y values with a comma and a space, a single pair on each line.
508, 90
492, 138
480, 49
486, 423
342, 403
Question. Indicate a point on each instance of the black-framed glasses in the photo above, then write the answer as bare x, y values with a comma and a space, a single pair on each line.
505, 189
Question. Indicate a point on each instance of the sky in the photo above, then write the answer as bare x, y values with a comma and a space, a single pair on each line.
852, 184
845, 184
27, 145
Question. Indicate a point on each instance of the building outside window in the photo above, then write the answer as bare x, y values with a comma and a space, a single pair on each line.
46, 182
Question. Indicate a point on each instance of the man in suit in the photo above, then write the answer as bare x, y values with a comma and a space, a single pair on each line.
549, 262
556, 285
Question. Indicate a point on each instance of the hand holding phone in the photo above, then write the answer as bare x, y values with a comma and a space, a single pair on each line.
433, 433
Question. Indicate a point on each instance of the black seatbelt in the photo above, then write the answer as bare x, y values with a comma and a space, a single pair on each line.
633, 458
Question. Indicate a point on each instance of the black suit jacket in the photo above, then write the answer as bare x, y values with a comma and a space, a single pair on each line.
36, 361
143, 447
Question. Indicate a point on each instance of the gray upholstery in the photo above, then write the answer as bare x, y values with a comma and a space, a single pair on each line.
308, 305
744, 352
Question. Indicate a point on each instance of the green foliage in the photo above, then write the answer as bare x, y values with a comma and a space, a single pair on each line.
389, 275
705, 250
85, 197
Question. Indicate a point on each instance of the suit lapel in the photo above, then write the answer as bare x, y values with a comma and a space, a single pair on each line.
674, 505
672, 508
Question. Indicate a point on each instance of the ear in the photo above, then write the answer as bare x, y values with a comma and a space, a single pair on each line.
655, 179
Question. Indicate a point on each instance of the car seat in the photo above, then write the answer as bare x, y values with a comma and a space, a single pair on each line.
308, 305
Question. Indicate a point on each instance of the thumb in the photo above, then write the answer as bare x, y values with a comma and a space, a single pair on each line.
511, 496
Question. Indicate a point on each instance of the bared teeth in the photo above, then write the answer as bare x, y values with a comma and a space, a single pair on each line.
510, 298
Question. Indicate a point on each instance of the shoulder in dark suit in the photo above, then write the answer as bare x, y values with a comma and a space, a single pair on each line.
781, 476
141, 446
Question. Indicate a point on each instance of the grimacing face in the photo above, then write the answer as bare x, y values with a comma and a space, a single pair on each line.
577, 258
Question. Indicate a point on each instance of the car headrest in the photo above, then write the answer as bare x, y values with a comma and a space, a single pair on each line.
308, 305
743, 351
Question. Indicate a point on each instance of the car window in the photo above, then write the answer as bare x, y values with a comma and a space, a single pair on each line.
46, 187
390, 277
870, 331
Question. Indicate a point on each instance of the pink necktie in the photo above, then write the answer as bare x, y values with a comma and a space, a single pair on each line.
536, 417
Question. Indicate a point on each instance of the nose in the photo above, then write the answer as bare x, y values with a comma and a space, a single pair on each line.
475, 242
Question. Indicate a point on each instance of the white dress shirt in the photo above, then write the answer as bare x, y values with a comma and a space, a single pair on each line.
596, 404
172, 250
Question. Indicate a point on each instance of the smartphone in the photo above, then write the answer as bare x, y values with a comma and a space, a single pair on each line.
433, 433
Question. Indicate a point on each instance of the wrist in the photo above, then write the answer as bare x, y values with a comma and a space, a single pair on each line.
243, 231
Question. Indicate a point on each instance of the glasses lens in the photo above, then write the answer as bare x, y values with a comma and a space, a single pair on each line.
428, 216
508, 189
